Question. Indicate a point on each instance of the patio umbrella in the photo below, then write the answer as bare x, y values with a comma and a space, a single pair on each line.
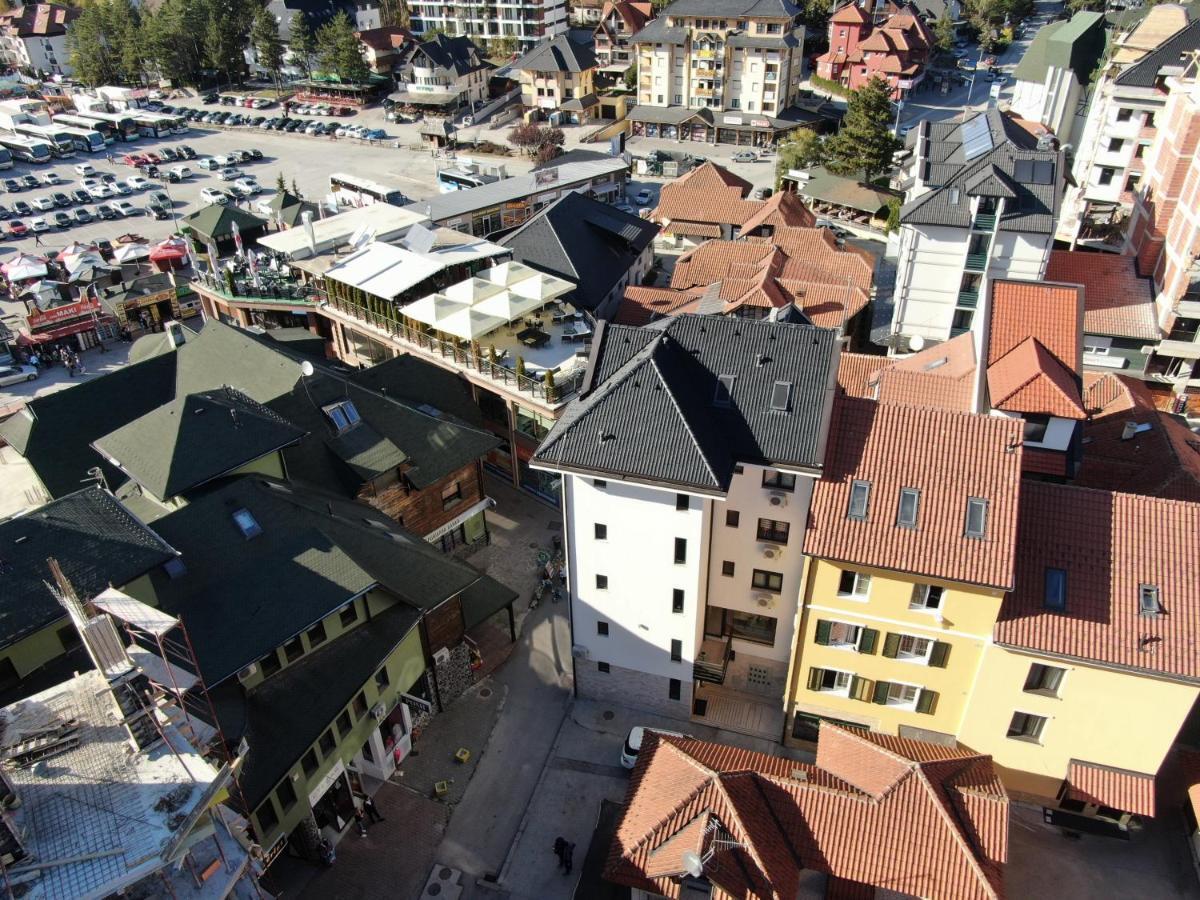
506, 273
433, 309
541, 287
507, 305
131, 253
472, 290
170, 253
470, 324
74, 249
25, 266
87, 258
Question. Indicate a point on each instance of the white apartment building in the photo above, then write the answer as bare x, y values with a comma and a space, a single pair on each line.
1109, 161
733, 55
34, 37
982, 199
688, 465
526, 21
1052, 77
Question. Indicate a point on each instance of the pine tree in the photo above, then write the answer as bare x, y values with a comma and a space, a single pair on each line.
339, 51
943, 32
268, 45
280, 184
302, 43
865, 144
89, 50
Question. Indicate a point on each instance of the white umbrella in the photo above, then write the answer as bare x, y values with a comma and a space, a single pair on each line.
433, 309
131, 252
540, 286
88, 258
470, 324
25, 266
507, 305
472, 290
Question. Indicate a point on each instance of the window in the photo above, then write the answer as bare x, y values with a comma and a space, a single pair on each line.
1140, 152
601, 532
267, 820
270, 663
860, 500
910, 501
246, 523
926, 596
773, 531
68, 637
683, 502
360, 705
1034, 430
293, 649
599, 484
1026, 727
343, 415
846, 636
673, 688
602, 667
910, 647
308, 762
854, 584
602, 582
976, 517
1124, 114
778, 481
767, 581
732, 518
316, 635
1148, 120
286, 795
1148, 600
727, 568
1056, 589
723, 392
892, 693
749, 627
1044, 679
1106, 176
343, 723
1115, 144
602, 629
327, 743
451, 495
680, 551
677, 601
382, 679
676, 650
781, 396
349, 614
829, 681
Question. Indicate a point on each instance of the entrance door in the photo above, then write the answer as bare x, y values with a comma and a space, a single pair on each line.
714, 621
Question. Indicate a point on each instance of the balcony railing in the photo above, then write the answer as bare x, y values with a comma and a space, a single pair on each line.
977, 262
968, 299
712, 660
955, 332
985, 222
266, 292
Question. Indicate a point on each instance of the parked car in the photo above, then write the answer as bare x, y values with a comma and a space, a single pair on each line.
137, 183
209, 98
16, 374
209, 164
84, 169
43, 204
745, 156
120, 187
49, 178
633, 743
166, 154
17, 228
213, 195
186, 152
642, 197
125, 208
39, 225
106, 211
61, 200
30, 181
135, 159
13, 186
21, 208
181, 171
62, 220
99, 191
160, 198
158, 213
4, 213
81, 216
231, 173
79, 195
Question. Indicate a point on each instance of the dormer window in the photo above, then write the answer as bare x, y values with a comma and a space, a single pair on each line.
1149, 603
343, 415
246, 523
977, 509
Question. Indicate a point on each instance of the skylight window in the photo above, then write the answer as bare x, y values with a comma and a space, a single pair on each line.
246, 523
977, 509
344, 415
781, 396
723, 395
910, 501
1056, 589
1149, 603
860, 499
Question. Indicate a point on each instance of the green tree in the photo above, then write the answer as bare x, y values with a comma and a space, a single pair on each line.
893, 216
226, 34
430, 33
173, 36
943, 33
268, 45
339, 51
280, 184
89, 50
630, 77
865, 144
503, 47
302, 44
805, 148
394, 13
815, 16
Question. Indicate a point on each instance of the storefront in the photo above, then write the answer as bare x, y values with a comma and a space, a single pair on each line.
387, 746
468, 527
332, 803
78, 326
143, 305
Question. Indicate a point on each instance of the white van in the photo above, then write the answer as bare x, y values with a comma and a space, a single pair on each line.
633, 743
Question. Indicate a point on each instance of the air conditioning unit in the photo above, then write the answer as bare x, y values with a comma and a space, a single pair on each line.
442, 656
378, 711
778, 499
249, 672
766, 601
770, 552
579, 651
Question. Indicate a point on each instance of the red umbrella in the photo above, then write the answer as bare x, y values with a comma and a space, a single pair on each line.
170, 253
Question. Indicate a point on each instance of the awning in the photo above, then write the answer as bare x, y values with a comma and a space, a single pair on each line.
1106, 786
423, 98
468, 513
1178, 349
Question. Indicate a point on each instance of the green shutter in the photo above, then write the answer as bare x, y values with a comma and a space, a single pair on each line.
927, 702
823, 629
814, 678
891, 646
939, 654
860, 689
867, 640
881, 692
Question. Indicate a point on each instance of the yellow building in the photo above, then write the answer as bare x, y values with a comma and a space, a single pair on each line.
556, 75
909, 560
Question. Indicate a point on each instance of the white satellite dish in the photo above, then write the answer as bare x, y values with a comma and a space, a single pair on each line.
916, 343
306, 368
692, 863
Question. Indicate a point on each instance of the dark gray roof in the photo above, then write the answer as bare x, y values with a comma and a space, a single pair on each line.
651, 408
732, 9
557, 54
657, 31
585, 241
791, 38
96, 542
458, 55
990, 181
959, 158
1171, 54
241, 598
194, 439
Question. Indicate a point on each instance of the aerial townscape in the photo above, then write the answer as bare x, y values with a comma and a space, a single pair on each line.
599, 449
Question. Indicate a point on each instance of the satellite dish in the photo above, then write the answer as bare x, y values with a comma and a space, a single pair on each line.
916, 343
692, 863
306, 368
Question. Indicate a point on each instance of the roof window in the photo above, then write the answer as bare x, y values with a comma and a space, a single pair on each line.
1055, 596
1149, 602
977, 509
723, 395
860, 500
343, 414
246, 523
910, 501
781, 396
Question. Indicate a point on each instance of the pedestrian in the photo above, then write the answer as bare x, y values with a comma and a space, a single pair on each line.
37, 239
328, 855
35, 361
360, 820
70, 364
79, 365
372, 810
568, 859
560, 847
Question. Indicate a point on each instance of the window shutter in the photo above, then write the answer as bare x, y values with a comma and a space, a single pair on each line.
860, 689
823, 629
891, 646
881, 692
939, 654
814, 678
867, 640
927, 702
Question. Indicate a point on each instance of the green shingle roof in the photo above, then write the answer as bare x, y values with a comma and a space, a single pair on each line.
215, 222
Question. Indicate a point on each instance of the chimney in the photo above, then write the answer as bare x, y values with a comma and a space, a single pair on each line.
175, 334
306, 217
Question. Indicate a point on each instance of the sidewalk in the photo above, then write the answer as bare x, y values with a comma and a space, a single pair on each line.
56, 378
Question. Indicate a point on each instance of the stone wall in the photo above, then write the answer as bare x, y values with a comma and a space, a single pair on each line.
454, 675
628, 687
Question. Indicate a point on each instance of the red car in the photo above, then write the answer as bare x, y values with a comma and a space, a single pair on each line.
16, 226
134, 159
152, 158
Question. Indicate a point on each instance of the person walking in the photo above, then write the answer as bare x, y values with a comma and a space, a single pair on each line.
568, 859
70, 364
560, 847
37, 239
360, 819
372, 810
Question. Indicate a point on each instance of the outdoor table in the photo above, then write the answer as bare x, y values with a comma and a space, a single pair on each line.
533, 337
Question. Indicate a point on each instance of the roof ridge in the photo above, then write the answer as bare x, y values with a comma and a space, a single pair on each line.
683, 417
957, 833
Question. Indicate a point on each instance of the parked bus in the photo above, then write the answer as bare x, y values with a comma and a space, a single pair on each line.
61, 145
124, 128
460, 179
107, 132
26, 149
350, 190
151, 126
85, 139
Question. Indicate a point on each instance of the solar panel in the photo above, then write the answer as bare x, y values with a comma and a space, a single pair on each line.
419, 239
1043, 172
976, 138
1023, 171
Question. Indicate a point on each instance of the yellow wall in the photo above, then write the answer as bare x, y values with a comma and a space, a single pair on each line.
271, 464
1109, 717
34, 651
968, 616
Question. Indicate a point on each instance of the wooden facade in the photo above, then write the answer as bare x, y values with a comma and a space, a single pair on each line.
423, 511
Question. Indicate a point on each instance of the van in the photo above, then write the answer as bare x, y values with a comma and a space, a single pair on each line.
633, 743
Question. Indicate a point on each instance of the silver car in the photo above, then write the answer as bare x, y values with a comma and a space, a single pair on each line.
16, 374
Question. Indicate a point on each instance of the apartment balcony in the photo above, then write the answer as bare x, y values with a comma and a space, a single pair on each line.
984, 222
977, 262
968, 299
712, 661
704, 92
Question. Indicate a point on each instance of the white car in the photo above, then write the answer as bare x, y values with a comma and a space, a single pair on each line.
43, 204
99, 191
633, 743
88, 183
182, 171
137, 183
229, 159
209, 163
212, 195
642, 197
125, 208
232, 173
39, 225
247, 185
84, 169
16, 374
313, 128
119, 188
51, 178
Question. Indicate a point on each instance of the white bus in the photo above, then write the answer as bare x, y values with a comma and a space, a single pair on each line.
462, 179
350, 190
26, 149
124, 128
61, 145
86, 139
153, 124
105, 129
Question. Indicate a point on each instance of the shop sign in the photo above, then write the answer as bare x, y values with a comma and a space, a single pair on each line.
731, 120
148, 299
760, 123
319, 789
417, 702
46, 317
443, 530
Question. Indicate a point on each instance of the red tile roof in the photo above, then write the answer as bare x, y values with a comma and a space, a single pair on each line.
1105, 786
783, 210
949, 457
849, 14
1161, 460
932, 822
1108, 544
642, 305
1116, 301
39, 19
708, 193
939, 377
1030, 379
856, 372
1052, 313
